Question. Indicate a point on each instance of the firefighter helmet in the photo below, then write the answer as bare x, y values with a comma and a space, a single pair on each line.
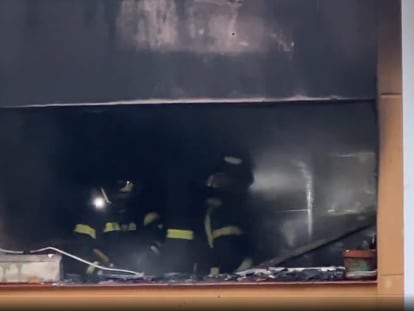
118, 191
232, 171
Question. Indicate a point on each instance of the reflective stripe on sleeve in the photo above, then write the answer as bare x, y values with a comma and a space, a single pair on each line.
150, 218
129, 227
180, 234
132, 226
247, 263
226, 231
112, 226
212, 203
214, 271
91, 268
85, 229
207, 227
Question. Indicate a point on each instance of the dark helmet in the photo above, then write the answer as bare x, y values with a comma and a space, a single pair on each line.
121, 190
232, 172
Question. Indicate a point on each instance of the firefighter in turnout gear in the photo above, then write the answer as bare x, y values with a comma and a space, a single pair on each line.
225, 222
115, 232
178, 254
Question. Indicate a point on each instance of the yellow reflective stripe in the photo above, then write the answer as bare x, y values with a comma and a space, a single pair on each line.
212, 203
91, 268
214, 271
112, 226
85, 229
247, 263
226, 231
180, 234
132, 226
150, 218
128, 227
207, 225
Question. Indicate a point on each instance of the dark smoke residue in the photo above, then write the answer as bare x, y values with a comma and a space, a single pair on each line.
111, 50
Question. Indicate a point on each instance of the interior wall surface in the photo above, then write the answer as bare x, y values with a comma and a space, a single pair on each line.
76, 51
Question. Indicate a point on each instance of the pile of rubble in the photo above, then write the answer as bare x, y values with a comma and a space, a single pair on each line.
318, 274
290, 275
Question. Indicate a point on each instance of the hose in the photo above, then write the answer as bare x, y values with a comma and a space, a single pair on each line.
8, 251
49, 248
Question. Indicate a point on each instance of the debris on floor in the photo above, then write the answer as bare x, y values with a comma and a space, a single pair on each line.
315, 274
